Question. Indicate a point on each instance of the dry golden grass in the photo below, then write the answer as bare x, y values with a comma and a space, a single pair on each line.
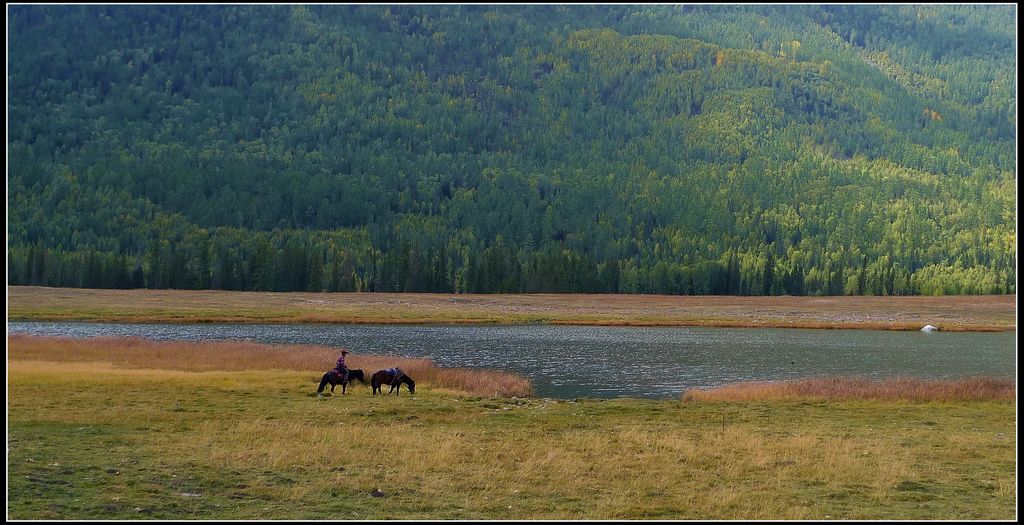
275, 452
952, 313
242, 355
630, 472
847, 388
232, 430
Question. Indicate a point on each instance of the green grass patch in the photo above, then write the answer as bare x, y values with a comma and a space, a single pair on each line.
163, 444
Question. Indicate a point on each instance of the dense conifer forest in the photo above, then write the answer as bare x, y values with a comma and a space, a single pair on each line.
761, 150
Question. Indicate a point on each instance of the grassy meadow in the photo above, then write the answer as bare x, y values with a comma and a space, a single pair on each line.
948, 313
132, 429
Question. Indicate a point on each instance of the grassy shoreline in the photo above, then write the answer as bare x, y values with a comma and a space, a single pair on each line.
134, 353
952, 313
129, 429
860, 388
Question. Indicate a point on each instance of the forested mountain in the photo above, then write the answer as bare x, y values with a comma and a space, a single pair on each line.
637, 149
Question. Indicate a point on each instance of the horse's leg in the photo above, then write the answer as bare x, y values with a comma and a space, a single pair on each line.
343, 385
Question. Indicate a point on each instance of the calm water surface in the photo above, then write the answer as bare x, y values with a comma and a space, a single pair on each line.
586, 361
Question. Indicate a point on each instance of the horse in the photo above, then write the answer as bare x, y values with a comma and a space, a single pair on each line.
334, 377
394, 377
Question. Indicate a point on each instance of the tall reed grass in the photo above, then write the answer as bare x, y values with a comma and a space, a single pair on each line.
846, 388
134, 352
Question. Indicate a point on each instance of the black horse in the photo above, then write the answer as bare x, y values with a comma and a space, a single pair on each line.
394, 377
334, 378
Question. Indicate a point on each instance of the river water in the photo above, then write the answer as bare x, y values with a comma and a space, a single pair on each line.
587, 361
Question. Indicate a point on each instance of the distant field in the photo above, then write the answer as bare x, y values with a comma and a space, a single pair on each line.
132, 429
950, 313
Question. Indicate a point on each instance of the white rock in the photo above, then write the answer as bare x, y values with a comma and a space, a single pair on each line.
929, 328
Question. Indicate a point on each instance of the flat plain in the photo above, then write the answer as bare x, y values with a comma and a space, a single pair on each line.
949, 313
132, 429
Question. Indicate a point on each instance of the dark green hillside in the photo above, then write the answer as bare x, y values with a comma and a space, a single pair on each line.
656, 149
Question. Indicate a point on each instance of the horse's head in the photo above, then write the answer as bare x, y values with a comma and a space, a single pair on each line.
357, 374
412, 384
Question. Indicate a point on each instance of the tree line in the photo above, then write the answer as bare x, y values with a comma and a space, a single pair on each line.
753, 150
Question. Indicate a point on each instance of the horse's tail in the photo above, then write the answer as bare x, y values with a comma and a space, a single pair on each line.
323, 383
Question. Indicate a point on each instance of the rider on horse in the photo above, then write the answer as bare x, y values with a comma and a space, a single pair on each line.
341, 368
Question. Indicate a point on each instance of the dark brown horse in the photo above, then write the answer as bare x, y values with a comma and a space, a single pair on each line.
334, 378
393, 377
